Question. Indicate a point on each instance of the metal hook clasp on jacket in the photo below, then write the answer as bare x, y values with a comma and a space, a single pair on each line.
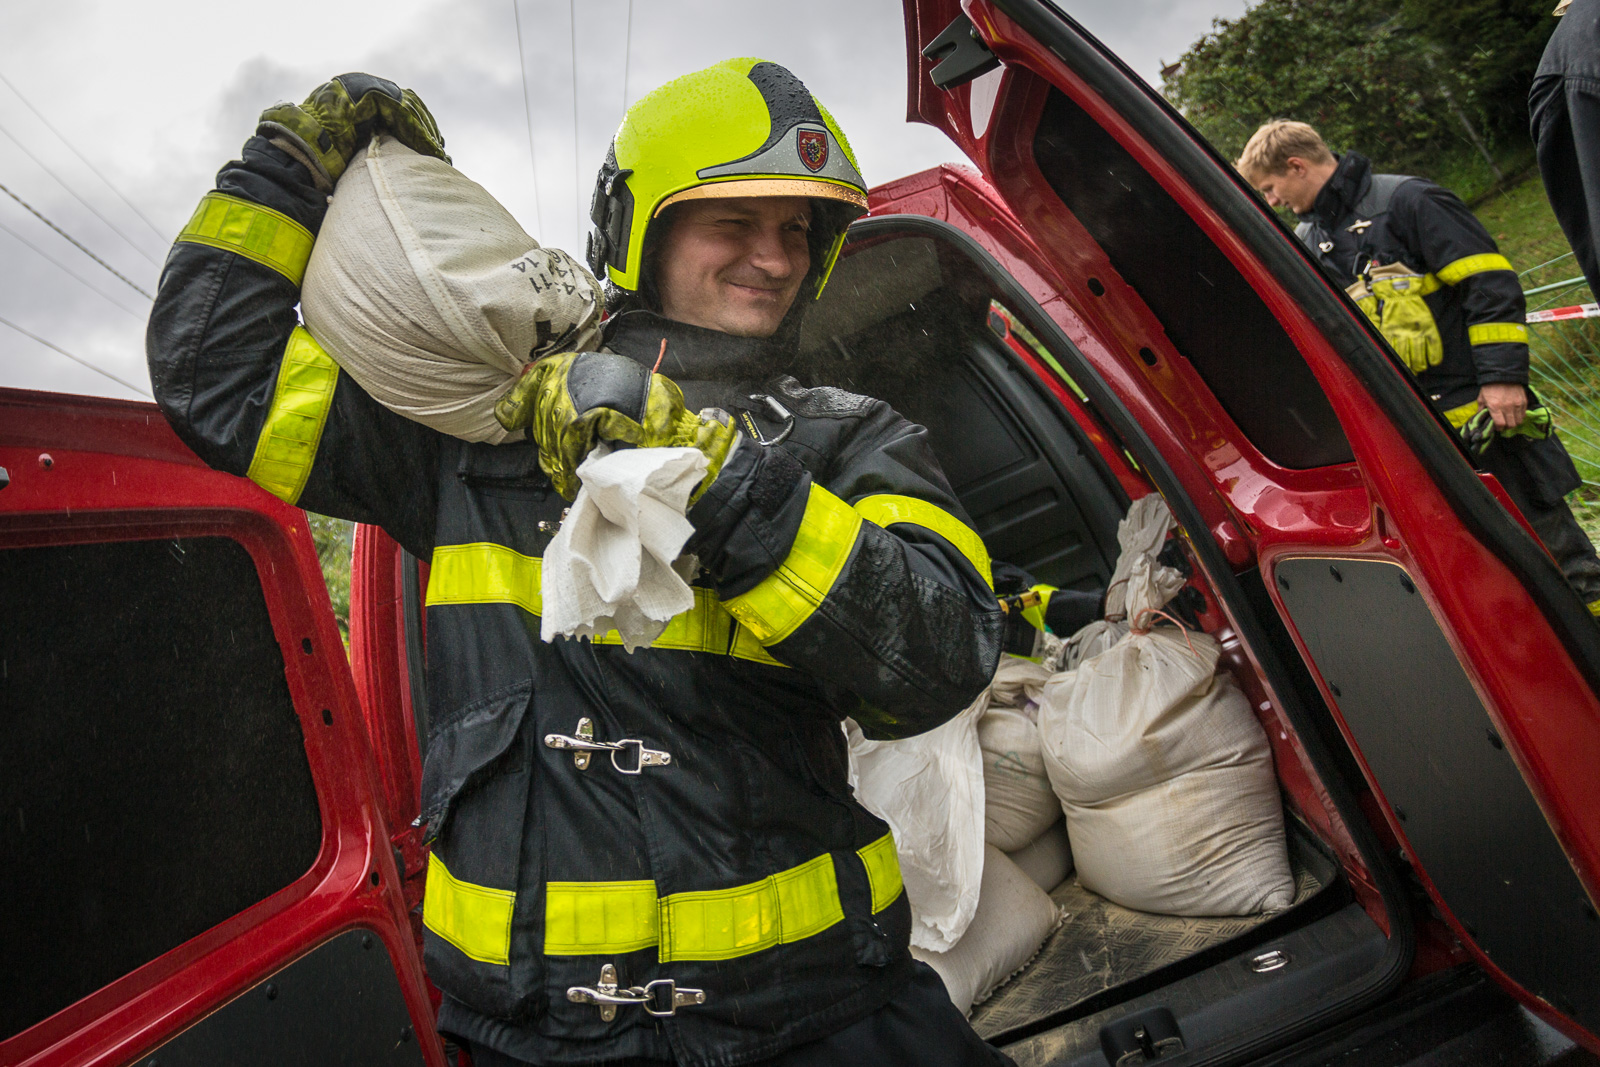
581, 743
607, 995
777, 411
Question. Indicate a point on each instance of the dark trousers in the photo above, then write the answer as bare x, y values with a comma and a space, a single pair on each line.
1566, 129
1554, 523
918, 1028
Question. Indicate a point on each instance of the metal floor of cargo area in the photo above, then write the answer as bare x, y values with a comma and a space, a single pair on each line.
1101, 946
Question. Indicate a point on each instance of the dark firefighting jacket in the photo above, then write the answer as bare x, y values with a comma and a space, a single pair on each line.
706, 839
1361, 220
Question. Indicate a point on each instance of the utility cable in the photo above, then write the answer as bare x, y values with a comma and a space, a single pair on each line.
74, 149
34, 212
577, 186
75, 195
74, 275
76, 359
527, 113
627, 57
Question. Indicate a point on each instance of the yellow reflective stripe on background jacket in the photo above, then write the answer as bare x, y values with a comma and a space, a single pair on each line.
292, 430
1493, 333
1460, 270
259, 233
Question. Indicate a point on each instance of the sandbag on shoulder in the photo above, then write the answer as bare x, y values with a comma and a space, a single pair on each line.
426, 291
1163, 771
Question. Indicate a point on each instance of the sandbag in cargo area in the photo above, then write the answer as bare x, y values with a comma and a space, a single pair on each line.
428, 293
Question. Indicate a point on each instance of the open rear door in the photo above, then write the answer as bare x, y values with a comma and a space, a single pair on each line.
1379, 583
198, 869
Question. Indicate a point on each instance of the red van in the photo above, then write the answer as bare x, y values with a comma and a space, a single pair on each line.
210, 807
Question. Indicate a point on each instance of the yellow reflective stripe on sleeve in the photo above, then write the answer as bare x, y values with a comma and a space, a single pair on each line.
599, 918
269, 237
786, 598
745, 646
887, 509
883, 871
485, 573
299, 410
1493, 333
1458, 417
473, 918
1458, 271
724, 923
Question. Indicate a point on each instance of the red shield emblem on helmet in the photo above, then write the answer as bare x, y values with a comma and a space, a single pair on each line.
813, 146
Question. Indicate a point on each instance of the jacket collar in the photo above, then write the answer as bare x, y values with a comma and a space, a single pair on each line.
693, 352
1342, 192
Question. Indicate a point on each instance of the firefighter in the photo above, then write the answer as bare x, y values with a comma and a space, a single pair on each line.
656, 856
1564, 114
1427, 273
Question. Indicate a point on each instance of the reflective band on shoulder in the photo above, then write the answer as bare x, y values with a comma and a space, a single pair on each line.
883, 871
473, 918
724, 923
599, 918
1464, 268
887, 509
299, 410
269, 237
1493, 333
786, 598
485, 573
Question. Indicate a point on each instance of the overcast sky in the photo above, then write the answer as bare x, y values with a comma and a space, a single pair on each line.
157, 95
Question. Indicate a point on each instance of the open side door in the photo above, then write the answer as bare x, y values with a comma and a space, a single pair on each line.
199, 869
1387, 596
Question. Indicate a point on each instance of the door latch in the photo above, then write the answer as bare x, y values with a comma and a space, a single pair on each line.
959, 55
1142, 1038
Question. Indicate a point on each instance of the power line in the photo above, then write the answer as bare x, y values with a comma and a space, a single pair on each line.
627, 57
527, 113
577, 186
76, 359
74, 149
75, 276
93, 210
34, 212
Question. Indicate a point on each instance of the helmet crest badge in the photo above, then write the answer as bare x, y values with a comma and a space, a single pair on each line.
813, 148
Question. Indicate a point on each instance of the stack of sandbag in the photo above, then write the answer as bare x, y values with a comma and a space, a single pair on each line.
1163, 771
1013, 919
430, 295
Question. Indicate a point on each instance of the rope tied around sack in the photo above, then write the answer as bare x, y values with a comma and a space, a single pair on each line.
1143, 618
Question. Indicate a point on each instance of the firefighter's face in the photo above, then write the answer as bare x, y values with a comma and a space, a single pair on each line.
1296, 187
734, 265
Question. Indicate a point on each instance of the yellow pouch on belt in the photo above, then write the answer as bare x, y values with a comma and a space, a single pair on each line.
1391, 296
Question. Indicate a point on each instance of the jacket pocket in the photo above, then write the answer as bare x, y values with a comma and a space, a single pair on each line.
481, 908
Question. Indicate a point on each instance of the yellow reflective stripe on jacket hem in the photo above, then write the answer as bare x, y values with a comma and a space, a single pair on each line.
1458, 417
597, 918
887, 509
1493, 333
487, 573
603, 918
269, 237
784, 599
883, 871
473, 918
292, 430
1459, 270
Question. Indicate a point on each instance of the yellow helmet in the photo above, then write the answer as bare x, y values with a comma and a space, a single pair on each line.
742, 127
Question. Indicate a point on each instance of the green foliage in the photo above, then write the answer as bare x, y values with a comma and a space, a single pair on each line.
335, 541
1378, 80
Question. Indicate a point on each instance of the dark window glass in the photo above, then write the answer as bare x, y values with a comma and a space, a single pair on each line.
153, 780
1210, 313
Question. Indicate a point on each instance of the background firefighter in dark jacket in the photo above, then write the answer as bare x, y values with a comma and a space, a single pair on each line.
1431, 278
705, 889
1564, 109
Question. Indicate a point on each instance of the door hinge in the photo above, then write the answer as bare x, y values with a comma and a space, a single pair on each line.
959, 55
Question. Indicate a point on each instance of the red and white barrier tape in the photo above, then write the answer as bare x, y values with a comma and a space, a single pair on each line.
1577, 311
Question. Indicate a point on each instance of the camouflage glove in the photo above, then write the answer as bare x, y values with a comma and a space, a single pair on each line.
570, 402
1478, 431
339, 118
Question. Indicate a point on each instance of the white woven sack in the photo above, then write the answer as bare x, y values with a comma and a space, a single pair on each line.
430, 295
1163, 771
929, 789
1018, 803
1014, 917
1048, 859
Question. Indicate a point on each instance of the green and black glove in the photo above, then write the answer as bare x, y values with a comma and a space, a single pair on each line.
1478, 431
570, 402
339, 118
